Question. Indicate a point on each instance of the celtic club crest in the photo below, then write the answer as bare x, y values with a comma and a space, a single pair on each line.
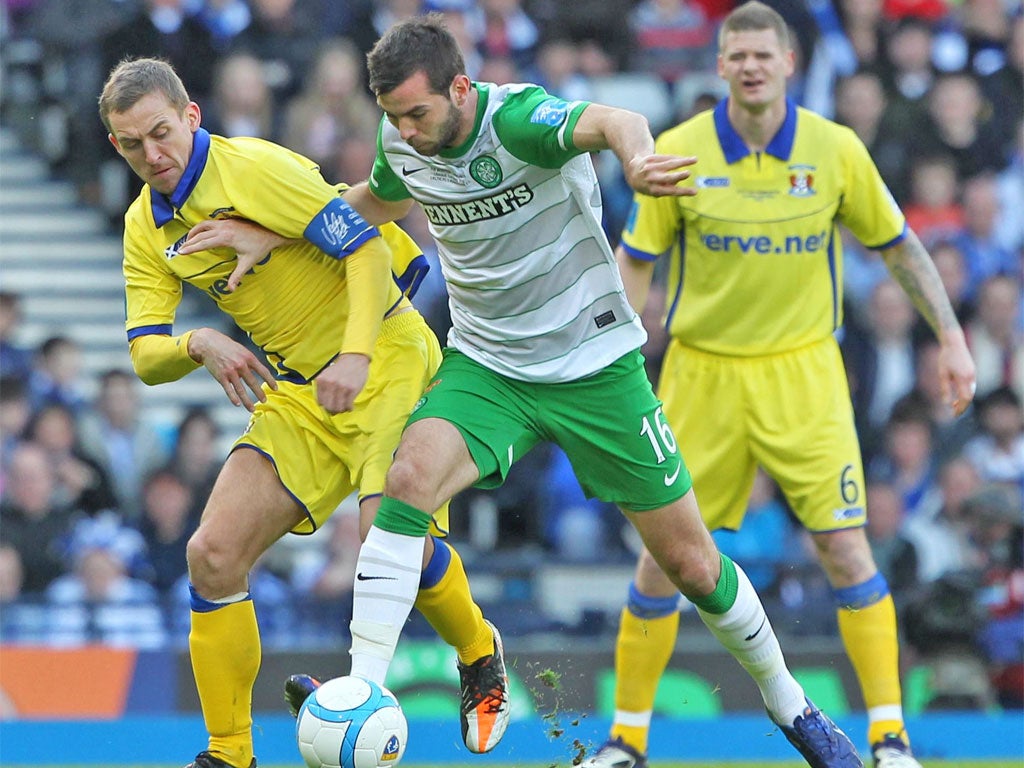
486, 171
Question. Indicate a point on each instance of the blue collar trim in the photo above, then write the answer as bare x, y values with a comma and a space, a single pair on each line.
163, 207
733, 146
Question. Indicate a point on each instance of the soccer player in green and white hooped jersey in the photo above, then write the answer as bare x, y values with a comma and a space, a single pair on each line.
544, 347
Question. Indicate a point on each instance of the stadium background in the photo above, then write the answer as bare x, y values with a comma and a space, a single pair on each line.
933, 88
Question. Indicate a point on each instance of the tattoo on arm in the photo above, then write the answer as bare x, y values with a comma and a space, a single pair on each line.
912, 267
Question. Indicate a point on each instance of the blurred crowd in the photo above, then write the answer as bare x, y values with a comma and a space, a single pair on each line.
97, 503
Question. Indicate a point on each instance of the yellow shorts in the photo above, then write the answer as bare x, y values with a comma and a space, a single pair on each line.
790, 413
321, 458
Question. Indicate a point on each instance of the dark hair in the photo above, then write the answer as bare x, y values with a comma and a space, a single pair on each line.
132, 79
420, 44
999, 396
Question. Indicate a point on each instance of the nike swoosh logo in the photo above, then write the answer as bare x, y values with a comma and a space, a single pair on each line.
361, 577
669, 479
763, 622
408, 172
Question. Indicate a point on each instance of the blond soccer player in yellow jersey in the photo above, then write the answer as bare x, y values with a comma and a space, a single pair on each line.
753, 375
350, 357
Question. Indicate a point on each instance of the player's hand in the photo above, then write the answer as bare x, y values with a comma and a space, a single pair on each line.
660, 175
237, 369
340, 383
250, 242
956, 371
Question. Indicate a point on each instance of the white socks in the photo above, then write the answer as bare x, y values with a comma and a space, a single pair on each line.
387, 580
747, 634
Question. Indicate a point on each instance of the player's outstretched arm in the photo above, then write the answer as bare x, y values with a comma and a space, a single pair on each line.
372, 208
912, 267
247, 239
237, 369
629, 137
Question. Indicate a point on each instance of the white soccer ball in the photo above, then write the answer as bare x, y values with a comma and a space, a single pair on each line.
349, 722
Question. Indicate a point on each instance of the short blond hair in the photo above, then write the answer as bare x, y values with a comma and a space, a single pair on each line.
754, 16
132, 79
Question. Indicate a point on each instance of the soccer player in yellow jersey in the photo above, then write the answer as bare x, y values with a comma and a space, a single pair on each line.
350, 358
753, 374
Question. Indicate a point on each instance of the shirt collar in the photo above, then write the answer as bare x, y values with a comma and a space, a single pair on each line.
163, 206
733, 146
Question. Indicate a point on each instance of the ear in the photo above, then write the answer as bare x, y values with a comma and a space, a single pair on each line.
790, 62
113, 142
460, 89
193, 116
721, 65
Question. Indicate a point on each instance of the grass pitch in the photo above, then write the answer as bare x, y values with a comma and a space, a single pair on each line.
564, 764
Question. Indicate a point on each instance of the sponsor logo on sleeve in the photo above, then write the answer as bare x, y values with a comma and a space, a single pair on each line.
550, 112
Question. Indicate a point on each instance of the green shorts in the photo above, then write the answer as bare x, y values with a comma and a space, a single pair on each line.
610, 425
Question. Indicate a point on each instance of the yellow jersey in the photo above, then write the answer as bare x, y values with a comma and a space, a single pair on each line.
756, 256
295, 303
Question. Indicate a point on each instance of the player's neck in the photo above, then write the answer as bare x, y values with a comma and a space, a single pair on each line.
757, 127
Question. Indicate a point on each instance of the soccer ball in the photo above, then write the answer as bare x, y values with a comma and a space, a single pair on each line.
349, 722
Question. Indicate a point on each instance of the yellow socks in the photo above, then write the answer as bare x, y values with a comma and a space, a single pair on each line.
647, 637
868, 629
445, 601
225, 649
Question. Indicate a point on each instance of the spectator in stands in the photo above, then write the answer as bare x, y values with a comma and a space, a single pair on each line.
863, 26
15, 413
12, 574
862, 104
166, 29
985, 256
942, 536
82, 484
558, 70
170, 512
1002, 78
57, 375
329, 572
333, 106
1009, 228
998, 451
879, 353
116, 435
895, 553
30, 521
576, 528
196, 457
284, 35
508, 32
995, 338
959, 126
907, 461
98, 602
15, 360
224, 20
241, 103
598, 26
933, 209
911, 74
673, 38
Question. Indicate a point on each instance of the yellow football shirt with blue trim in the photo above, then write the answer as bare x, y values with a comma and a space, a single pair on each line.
294, 304
756, 256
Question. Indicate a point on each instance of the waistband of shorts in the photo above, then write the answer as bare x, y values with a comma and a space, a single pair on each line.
827, 341
400, 323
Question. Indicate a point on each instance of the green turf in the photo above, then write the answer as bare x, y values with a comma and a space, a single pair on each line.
656, 764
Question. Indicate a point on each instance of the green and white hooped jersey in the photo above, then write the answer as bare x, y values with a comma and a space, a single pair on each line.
533, 287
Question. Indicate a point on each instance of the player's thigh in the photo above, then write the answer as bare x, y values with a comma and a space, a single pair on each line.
612, 429
705, 403
248, 509
804, 436
310, 457
492, 413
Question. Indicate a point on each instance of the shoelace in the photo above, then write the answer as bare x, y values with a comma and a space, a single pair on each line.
485, 684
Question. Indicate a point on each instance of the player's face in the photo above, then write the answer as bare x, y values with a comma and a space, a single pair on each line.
428, 122
756, 66
155, 139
